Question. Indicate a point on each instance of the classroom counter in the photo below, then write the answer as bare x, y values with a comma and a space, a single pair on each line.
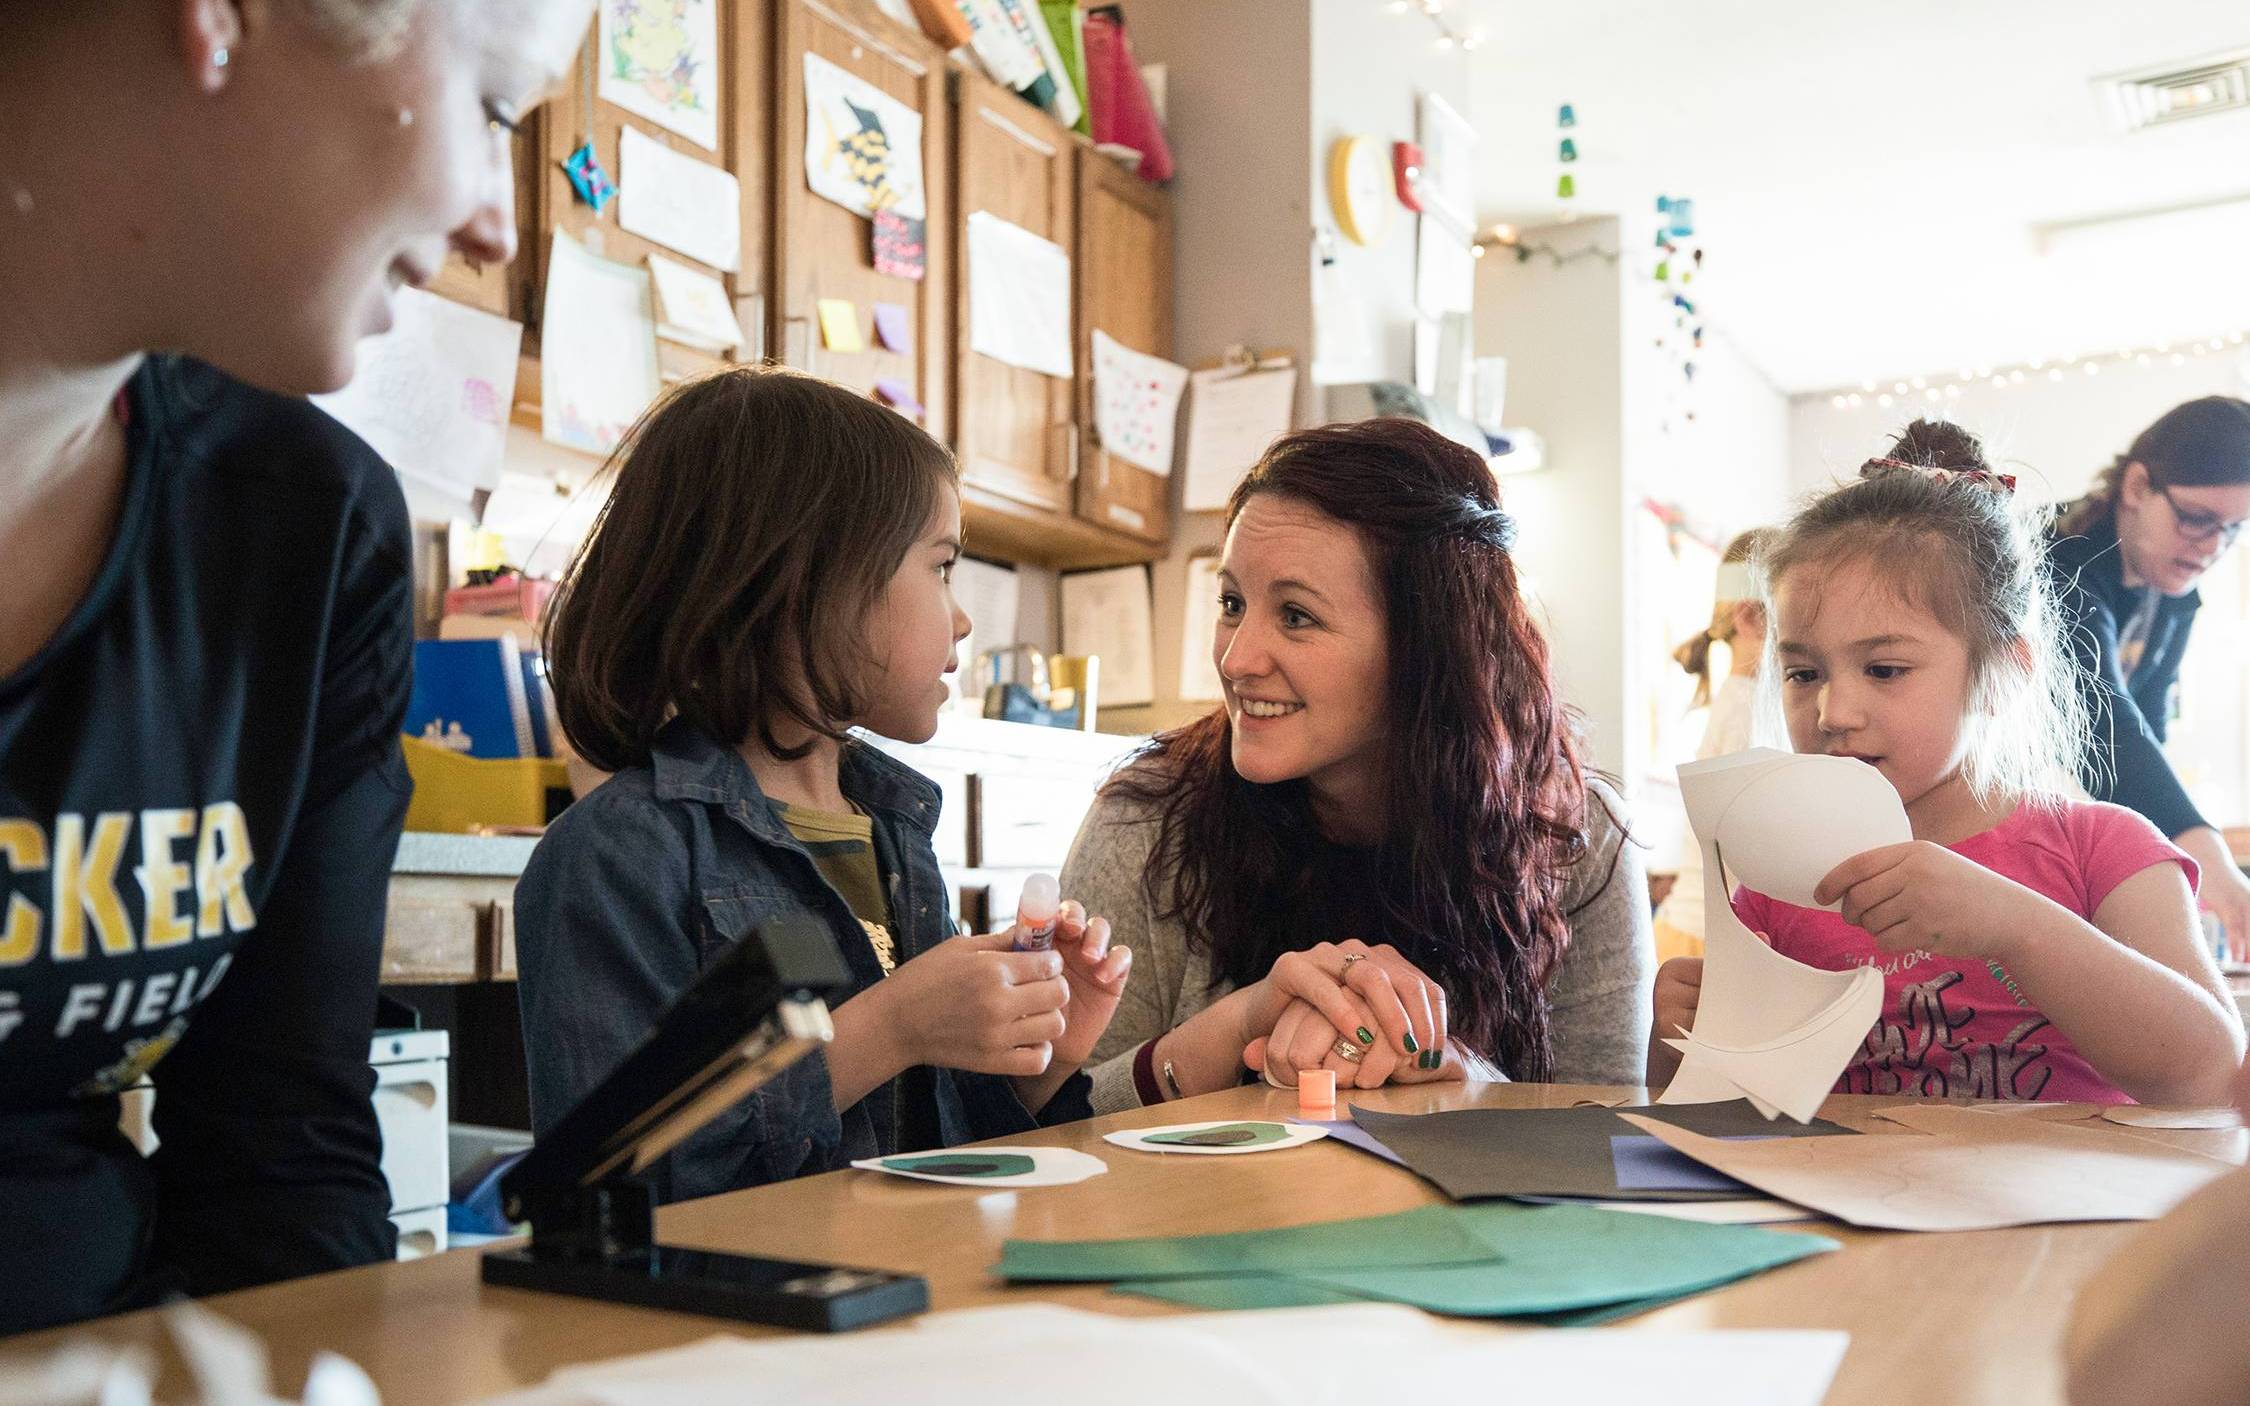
1962, 1318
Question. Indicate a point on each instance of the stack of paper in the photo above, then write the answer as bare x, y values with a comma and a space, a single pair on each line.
1560, 1264
1769, 1028
1973, 1170
1041, 1352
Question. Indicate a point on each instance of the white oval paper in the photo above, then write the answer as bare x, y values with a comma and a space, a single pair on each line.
1296, 1135
1051, 1166
1790, 827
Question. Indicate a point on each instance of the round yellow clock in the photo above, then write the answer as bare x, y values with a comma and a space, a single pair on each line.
1359, 189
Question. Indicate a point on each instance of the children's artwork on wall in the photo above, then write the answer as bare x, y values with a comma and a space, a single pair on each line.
863, 147
1136, 403
432, 394
1019, 296
597, 362
659, 59
900, 245
678, 201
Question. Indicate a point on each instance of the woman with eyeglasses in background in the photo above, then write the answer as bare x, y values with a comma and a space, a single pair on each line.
2126, 558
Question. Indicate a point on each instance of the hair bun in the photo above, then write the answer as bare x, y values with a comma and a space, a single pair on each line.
1938, 444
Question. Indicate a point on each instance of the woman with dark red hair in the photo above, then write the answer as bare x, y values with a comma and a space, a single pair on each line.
1390, 801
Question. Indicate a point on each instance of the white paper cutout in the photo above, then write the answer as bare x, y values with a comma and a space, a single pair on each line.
1019, 296
1767, 1027
1293, 1135
2134, 1115
1136, 403
1051, 1166
863, 147
660, 59
678, 201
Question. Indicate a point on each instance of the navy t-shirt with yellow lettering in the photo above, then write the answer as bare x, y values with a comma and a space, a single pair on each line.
200, 797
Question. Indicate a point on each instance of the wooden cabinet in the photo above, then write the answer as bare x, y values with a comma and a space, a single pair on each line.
576, 116
1124, 273
1014, 429
825, 250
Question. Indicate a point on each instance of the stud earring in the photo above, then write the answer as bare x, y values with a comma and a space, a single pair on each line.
219, 57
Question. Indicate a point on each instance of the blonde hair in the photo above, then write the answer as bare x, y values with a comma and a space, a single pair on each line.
1939, 526
364, 30
1694, 654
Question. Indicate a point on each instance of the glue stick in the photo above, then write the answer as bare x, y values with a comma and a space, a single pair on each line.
1036, 910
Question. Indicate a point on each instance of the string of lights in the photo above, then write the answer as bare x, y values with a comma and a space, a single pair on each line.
1938, 389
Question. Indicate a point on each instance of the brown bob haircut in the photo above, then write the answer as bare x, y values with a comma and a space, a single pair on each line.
757, 516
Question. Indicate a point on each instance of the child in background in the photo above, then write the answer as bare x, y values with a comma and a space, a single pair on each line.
2032, 946
1738, 621
773, 567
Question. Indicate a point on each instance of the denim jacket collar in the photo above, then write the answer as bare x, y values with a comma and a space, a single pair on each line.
690, 765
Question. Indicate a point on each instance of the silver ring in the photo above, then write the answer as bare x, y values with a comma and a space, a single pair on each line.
1347, 1051
1344, 974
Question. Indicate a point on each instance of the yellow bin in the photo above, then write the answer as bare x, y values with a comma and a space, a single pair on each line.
457, 794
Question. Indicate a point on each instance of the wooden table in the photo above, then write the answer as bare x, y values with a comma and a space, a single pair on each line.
1959, 1319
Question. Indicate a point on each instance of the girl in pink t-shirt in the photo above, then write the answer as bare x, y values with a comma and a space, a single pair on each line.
2032, 946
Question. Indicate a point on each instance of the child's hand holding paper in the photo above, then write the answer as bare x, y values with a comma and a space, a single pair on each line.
1923, 897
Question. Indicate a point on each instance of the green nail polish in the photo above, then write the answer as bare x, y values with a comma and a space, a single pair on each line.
1411, 1043
1431, 1059
1366, 1036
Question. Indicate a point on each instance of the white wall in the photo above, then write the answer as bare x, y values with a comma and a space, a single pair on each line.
1585, 373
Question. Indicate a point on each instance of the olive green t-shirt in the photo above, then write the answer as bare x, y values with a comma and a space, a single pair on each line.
843, 849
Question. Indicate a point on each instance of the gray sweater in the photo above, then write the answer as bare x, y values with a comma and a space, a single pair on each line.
1599, 997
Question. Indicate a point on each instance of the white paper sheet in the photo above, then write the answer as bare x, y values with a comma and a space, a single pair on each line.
1050, 1166
1214, 1359
1106, 613
597, 348
1199, 625
1768, 1027
432, 394
660, 59
1970, 1171
678, 201
1232, 417
2133, 1115
863, 147
1292, 1134
692, 307
1019, 296
991, 596
1136, 403
1445, 272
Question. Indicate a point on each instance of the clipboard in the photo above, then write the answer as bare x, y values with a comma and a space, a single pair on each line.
1236, 409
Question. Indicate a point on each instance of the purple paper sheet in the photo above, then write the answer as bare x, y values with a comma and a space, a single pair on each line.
1644, 1164
891, 327
1344, 1130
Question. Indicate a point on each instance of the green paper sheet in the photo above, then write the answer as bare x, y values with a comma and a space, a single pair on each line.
1432, 1235
1256, 1291
1553, 1258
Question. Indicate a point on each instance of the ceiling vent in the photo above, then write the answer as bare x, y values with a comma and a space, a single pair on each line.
2151, 97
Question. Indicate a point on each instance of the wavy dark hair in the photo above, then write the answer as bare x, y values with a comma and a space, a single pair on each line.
1485, 794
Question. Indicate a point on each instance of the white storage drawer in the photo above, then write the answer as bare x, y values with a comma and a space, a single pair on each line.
411, 1109
420, 1232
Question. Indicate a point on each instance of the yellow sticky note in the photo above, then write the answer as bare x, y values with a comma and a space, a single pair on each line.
839, 325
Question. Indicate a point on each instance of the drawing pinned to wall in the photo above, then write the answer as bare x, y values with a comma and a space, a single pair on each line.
660, 60
901, 245
863, 147
432, 394
678, 201
1136, 403
597, 361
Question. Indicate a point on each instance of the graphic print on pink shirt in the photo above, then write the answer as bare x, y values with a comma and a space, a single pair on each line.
1962, 1026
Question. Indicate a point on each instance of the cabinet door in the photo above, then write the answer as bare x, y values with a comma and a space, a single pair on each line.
826, 250
576, 115
1124, 272
1013, 428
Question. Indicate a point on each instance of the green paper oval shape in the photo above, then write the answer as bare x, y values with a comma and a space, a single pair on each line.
1225, 1135
963, 1164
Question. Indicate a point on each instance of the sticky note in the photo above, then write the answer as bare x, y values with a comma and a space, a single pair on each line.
892, 329
899, 396
839, 325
